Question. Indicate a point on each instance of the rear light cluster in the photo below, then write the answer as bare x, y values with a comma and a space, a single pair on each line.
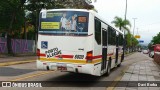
89, 57
38, 53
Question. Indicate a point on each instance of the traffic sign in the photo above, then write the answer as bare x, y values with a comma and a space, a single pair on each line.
141, 41
137, 36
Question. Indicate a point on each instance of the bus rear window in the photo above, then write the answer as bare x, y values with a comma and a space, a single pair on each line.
64, 22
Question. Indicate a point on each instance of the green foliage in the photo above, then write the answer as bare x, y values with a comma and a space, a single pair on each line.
34, 6
123, 24
156, 39
120, 23
131, 41
150, 46
12, 15
128, 39
135, 41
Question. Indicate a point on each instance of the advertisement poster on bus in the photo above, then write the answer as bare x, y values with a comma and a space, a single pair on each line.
64, 22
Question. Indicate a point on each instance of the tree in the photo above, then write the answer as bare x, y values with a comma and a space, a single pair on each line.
128, 37
131, 41
11, 18
120, 23
34, 7
134, 41
156, 39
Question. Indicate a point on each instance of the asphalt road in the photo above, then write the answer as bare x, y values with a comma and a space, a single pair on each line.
67, 81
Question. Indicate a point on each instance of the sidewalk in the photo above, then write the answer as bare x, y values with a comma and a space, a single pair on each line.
146, 70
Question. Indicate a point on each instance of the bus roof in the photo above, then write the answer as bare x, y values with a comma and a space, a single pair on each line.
85, 10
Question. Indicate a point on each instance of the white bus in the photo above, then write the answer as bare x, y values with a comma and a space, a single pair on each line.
78, 40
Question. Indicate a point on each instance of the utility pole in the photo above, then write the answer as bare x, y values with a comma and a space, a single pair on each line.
124, 40
134, 26
133, 33
125, 11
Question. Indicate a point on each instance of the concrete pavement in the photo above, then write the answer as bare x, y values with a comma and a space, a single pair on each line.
146, 70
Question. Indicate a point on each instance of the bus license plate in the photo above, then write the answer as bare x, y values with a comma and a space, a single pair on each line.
61, 66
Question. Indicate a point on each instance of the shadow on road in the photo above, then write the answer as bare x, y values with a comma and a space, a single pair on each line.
78, 80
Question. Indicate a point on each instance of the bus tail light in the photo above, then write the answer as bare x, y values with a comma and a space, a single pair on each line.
38, 53
89, 56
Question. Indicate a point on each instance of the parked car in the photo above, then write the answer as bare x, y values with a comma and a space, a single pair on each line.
151, 54
139, 50
145, 51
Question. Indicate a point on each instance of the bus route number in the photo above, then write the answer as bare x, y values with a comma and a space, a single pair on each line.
79, 56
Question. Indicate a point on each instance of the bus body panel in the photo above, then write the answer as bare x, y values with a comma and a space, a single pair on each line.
69, 52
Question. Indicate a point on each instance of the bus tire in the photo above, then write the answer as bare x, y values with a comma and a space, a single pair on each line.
109, 67
119, 64
122, 57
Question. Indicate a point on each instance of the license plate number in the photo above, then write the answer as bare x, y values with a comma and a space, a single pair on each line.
61, 66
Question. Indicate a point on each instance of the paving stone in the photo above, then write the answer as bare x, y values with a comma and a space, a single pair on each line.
153, 88
135, 72
157, 78
142, 72
142, 68
155, 73
142, 88
120, 88
134, 77
142, 78
154, 68
149, 73
150, 78
131, 88
126, 77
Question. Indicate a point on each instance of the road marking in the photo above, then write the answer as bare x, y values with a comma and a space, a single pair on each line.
115, 81
120, 76
16, 62
33, 75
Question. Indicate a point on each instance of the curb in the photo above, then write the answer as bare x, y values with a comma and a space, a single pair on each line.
16, 62
120, 75
118, 78
128, 54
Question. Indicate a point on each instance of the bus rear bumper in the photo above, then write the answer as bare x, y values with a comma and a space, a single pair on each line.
68, 67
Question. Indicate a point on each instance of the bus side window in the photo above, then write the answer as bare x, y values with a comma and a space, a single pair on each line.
113, 37
109, 36
98, 31
120, 39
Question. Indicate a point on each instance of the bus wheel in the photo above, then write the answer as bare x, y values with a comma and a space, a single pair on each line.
108, 67
119, 65
120, 62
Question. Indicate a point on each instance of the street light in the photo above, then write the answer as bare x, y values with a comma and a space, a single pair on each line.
134, 26
125, 11
124, 41
133, 33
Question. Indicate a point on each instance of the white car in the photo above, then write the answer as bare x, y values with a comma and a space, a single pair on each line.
145, 51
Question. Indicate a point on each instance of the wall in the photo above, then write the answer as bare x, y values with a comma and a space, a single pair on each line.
18, 46
157, 57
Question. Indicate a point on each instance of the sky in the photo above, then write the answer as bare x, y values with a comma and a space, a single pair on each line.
146, 12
